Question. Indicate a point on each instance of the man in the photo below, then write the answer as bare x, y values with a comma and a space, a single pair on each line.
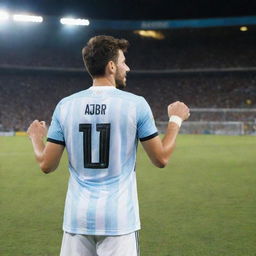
100, 128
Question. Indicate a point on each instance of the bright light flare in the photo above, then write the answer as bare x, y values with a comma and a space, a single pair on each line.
74, 22
243, 28
27, 18
150, 33
4, 15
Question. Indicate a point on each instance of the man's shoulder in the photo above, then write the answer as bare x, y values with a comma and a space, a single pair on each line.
73, 97
130, 96
126, 96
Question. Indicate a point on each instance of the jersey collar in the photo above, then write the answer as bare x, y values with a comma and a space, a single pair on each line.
102, 87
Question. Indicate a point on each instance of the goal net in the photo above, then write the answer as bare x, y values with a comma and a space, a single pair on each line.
218, 121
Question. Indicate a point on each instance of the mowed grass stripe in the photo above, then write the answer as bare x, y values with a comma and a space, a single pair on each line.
203, 203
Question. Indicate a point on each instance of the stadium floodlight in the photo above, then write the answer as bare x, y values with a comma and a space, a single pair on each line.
4, 15
27, 18
74, 22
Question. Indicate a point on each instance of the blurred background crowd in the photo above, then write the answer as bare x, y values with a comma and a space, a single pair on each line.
27, 94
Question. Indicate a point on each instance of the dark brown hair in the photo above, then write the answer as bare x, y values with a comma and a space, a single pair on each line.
99, 51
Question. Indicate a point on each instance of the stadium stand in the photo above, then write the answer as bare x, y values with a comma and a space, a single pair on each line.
29, 95
181, 49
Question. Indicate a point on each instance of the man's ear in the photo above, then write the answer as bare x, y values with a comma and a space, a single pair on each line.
111, 67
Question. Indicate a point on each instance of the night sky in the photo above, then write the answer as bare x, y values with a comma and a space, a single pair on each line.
135, 9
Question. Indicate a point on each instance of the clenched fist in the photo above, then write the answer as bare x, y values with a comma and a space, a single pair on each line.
37, 129
179, 109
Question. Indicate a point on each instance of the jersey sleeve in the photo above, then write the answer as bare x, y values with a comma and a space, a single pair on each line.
146, 128
55, 132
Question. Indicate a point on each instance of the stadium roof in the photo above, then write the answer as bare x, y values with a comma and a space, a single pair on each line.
135, 9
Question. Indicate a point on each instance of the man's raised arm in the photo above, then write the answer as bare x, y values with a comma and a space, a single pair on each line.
160, 150
47, 155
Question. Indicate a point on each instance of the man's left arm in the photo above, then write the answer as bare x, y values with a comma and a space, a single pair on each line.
47, 155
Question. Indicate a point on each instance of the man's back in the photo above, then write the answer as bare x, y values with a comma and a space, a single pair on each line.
100, 127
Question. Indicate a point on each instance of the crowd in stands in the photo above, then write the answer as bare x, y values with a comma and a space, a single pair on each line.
24, 98
28, 96
199, 91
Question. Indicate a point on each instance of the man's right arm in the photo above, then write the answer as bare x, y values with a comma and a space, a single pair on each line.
160, 150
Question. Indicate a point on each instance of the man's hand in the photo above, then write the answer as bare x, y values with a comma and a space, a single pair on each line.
48, 156
37, 130
178, 109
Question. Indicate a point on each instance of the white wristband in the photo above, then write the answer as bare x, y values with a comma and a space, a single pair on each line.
176, 119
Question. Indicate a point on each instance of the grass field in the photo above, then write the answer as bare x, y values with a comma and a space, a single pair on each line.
202, 204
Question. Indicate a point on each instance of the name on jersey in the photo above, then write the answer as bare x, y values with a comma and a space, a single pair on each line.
95, 109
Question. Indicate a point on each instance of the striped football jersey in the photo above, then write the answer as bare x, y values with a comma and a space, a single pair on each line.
100, 128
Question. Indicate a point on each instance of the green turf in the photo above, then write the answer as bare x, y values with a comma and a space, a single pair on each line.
202, 204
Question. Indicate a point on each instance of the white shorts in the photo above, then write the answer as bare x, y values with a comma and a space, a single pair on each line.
87, 245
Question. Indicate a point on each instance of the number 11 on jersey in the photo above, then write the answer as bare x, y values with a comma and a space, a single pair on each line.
104, 130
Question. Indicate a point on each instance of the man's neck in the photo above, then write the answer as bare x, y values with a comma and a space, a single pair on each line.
104, 81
